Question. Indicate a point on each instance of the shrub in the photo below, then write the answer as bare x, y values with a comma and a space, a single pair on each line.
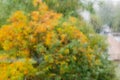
45, 45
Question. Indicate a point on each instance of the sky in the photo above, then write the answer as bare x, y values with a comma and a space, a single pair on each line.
114, 1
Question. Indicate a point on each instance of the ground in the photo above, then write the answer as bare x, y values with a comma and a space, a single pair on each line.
114, 52
114, 48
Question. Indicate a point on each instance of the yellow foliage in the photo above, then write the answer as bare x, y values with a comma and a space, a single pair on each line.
35, 15
15, 70
36, 2
18, 17
67, 51
23, 34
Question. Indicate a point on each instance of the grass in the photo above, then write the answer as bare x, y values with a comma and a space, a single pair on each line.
117, 70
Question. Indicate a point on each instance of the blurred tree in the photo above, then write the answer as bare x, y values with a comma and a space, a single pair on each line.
106, 13
88, 5
116, 20
96, 23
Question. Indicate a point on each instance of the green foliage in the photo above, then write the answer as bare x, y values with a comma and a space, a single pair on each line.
67, 7
7, 7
